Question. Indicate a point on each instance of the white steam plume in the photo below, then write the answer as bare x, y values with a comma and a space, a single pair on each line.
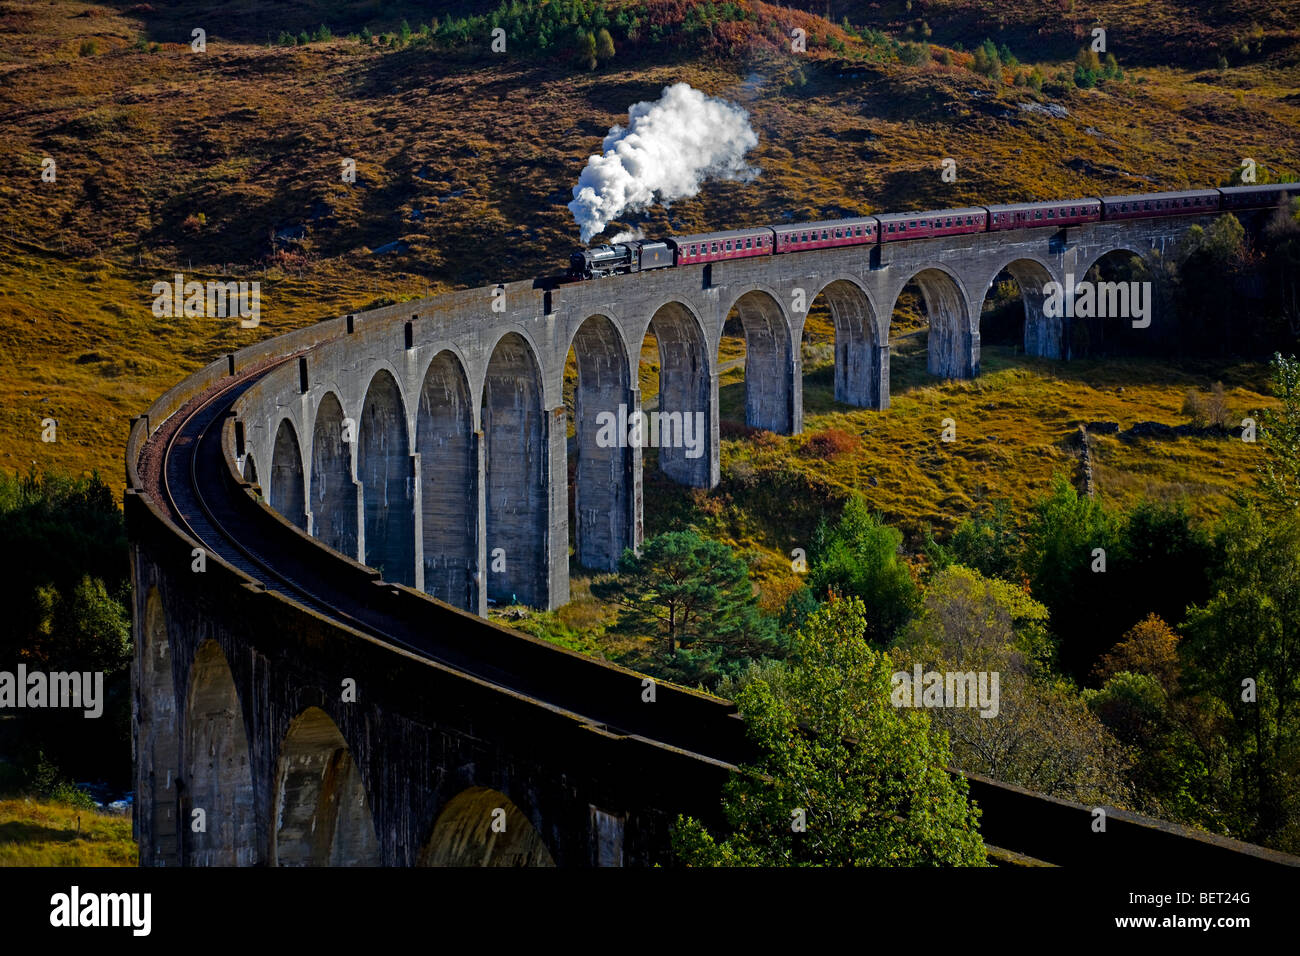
627, 235
669, 148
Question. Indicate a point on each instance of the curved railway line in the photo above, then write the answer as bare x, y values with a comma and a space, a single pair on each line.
192, 481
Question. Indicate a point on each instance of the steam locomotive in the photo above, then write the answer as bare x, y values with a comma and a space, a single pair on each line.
640, 255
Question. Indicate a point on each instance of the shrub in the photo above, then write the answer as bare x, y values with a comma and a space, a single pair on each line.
830, 444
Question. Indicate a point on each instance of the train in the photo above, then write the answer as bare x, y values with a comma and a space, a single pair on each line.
640, 255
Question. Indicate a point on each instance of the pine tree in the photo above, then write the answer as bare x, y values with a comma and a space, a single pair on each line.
604, 46
694, 597
586, 50
1280, 429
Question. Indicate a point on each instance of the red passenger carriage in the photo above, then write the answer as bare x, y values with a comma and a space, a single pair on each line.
925, 225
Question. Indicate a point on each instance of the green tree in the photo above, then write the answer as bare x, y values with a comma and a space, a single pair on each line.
1210, 262
694, 598
63, 585
1065, 531
1087, 67
971, 620
1282, 259
859, 556
868, 781
914, 54
989, 542
85, 628
586, 50
604, 45
1174, 773
1280, 429
987, 61
1243, 648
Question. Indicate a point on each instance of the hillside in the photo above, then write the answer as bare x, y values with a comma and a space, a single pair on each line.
131, 156
228, 160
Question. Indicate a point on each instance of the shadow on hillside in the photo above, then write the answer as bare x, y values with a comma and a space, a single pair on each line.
908, 372
731, 402
819, 392
19, 831
251, 21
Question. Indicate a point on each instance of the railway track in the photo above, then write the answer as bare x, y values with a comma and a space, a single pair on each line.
190, 485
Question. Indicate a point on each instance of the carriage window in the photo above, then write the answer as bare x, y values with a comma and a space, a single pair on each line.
715, 247
1051, 214
824, 235
891, 227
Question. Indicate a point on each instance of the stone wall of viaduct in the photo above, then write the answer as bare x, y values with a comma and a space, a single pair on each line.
419, 438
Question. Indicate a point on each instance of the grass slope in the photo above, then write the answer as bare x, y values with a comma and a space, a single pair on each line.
39, 833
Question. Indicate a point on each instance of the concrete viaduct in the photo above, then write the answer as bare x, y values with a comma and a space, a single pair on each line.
314, 683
